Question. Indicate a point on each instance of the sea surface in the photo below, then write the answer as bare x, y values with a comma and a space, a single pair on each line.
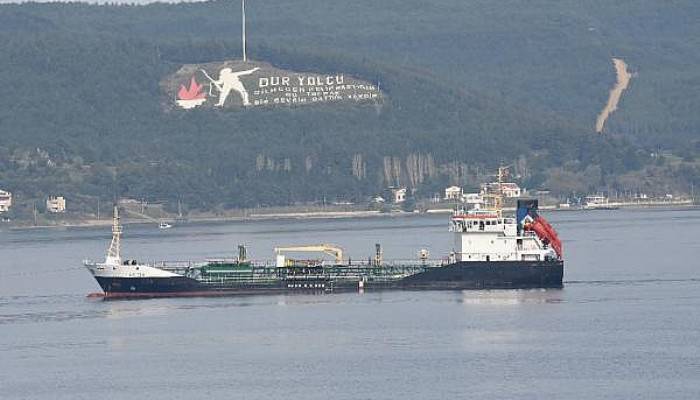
625, 326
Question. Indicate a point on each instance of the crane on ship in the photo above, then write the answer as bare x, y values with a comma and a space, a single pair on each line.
324, 248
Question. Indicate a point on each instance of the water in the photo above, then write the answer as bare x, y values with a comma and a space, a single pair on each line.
624, 326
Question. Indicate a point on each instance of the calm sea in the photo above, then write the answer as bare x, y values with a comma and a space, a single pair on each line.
626, 325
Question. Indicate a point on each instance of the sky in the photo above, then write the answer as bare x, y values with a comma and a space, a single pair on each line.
101, 1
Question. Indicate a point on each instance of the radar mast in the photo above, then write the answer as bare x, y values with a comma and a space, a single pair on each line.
114, 251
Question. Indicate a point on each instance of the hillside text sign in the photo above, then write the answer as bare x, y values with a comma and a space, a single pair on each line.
237, 84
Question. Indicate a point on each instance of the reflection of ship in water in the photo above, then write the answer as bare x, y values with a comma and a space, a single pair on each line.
490, 251
510, 297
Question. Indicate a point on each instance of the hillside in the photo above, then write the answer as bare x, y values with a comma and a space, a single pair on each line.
468, 85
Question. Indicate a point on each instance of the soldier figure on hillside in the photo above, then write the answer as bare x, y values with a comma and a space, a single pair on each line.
229, 80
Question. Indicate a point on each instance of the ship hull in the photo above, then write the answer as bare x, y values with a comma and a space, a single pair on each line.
490, 275
456, 276
147, 285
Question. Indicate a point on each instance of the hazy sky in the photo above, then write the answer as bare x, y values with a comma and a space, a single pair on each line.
101, 1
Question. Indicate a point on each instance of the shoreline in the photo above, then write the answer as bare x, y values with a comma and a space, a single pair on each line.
311, 215
319, 215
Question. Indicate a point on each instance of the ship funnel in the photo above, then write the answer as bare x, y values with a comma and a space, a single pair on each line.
526, 207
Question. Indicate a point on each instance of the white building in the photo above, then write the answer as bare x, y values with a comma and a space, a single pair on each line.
5, 201
56, 204
473, 198
399, 195
509, 189
453, 193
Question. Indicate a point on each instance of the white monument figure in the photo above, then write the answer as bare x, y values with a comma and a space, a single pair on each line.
229, 80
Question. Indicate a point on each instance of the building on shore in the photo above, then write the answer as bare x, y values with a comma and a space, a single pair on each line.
473, 199
509, 189
5, 201
56, 204
453, 193
399, 195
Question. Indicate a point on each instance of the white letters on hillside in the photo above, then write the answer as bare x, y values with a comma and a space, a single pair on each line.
234, 84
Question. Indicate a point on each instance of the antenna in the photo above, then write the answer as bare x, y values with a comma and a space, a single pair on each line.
243, 29
114, 252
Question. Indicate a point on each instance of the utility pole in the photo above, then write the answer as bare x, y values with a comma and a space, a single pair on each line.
243, 29
692, 192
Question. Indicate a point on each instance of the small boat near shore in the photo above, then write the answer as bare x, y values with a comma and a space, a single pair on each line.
598, 203
164, 225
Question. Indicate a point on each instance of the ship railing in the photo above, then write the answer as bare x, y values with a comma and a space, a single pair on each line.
178, 267
272, 263
400, 263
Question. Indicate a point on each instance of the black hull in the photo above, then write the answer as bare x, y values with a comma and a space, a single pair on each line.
457, 276
490, 275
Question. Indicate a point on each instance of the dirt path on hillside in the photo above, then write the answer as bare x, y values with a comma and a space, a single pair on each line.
623, 81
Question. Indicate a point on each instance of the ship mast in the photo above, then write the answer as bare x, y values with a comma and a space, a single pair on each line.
114, 251
494, 198
498, 198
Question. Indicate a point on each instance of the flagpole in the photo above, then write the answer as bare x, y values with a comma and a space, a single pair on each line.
243, 29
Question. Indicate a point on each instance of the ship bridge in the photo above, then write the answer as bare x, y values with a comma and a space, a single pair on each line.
486, 235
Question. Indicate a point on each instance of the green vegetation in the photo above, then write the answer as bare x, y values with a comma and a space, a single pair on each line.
469, 85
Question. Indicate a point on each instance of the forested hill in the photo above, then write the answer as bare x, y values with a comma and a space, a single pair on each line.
468, 85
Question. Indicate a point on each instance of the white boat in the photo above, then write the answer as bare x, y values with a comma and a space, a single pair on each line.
598, 203
164, 225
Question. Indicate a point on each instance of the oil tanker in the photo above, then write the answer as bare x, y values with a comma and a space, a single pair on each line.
490, 251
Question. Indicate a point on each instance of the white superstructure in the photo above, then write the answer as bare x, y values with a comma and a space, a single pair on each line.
484, 234
114, 267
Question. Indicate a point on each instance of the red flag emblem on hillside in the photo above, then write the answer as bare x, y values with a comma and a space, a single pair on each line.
194, 91
191, 97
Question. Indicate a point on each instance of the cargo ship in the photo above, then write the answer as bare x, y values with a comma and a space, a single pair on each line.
491, 251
